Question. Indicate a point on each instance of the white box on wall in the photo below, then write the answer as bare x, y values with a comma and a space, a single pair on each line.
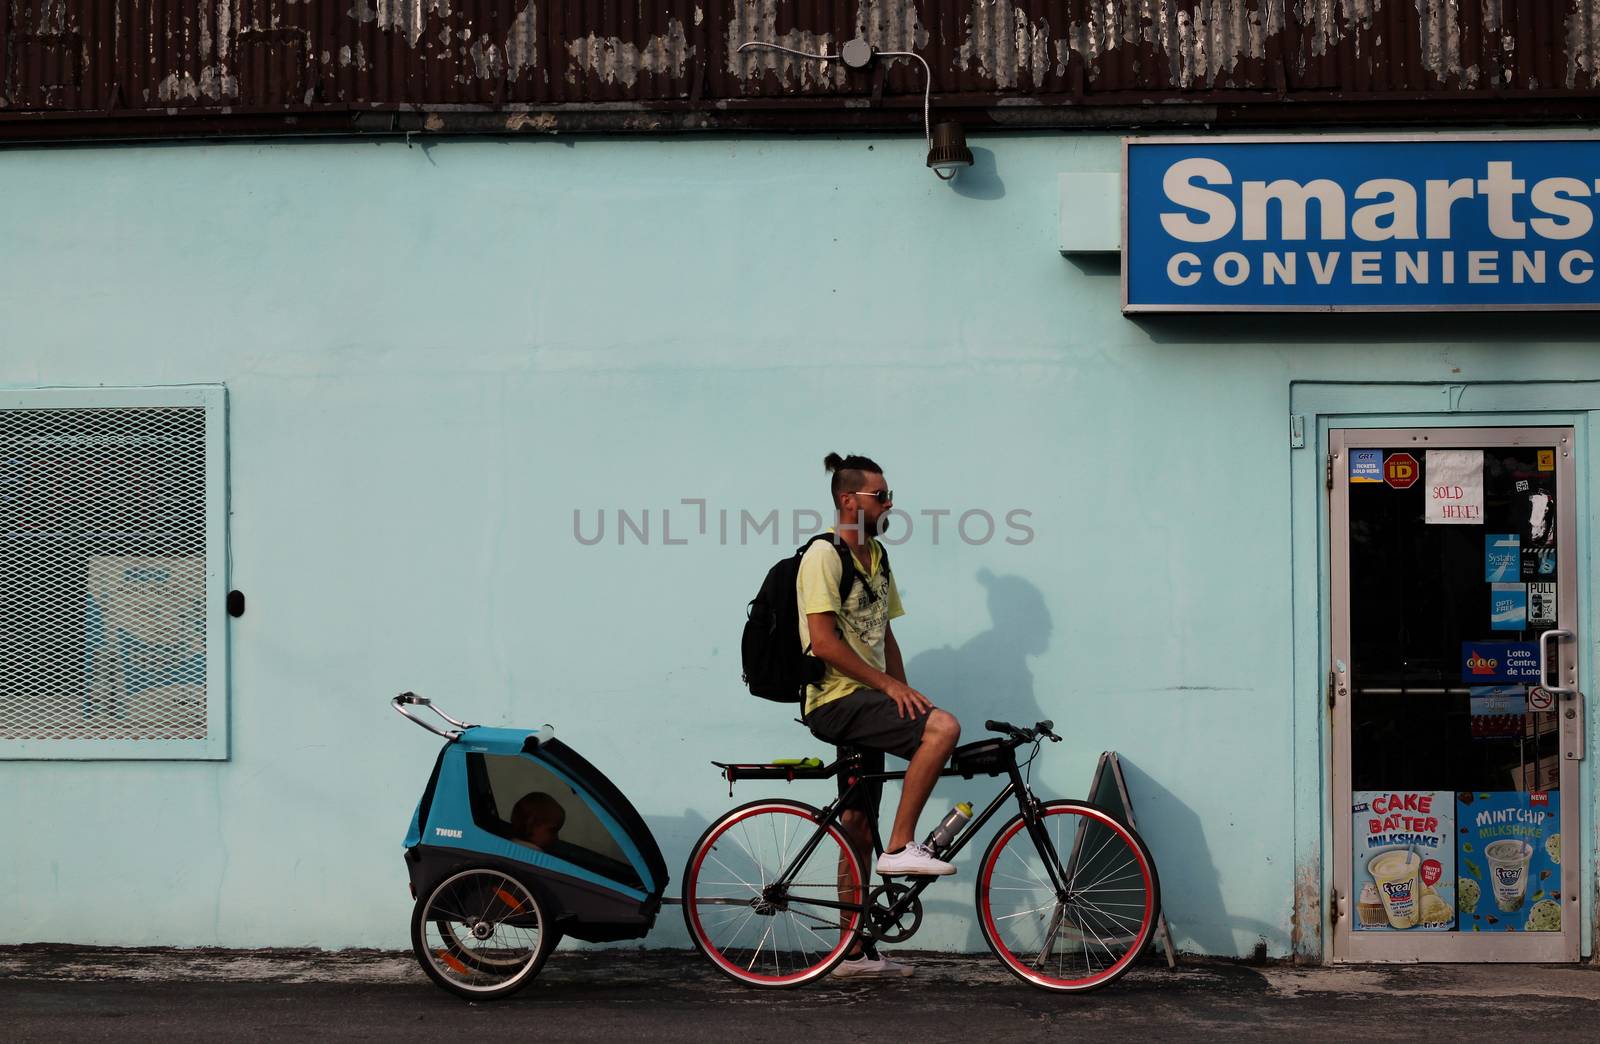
1091, 213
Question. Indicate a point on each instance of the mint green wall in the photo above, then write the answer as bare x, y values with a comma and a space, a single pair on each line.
434, 355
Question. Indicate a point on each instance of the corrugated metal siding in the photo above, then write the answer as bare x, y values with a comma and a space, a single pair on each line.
232, 57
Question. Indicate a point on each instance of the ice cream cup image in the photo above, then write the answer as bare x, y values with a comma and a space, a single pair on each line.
1508, 872
1399, 886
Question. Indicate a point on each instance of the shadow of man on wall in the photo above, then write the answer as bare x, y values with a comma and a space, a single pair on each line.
988, 675
985, 677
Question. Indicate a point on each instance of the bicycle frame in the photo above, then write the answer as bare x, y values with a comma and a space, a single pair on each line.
1015, 787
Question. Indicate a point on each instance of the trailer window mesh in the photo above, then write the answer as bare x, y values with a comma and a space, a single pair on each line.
103, 574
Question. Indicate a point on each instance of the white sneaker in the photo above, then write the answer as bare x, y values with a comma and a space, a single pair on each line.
879, 967
914, 860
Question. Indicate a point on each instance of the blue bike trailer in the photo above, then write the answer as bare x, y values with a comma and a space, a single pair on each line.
522, 802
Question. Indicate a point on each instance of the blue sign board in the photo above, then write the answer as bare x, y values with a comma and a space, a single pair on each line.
1379, 224
1508, 607
1509, 861
1502, 557
1366, 465
1499, 663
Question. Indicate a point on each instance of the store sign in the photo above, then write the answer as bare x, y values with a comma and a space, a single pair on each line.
1320, 224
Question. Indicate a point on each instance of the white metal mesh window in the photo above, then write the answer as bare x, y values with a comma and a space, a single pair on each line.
104, 592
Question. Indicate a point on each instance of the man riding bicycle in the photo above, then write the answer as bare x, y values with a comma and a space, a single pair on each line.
863, 700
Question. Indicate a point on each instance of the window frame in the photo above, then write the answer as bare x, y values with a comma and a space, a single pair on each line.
214, 747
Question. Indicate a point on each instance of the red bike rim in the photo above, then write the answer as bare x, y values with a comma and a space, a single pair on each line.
1027, 971
846, 934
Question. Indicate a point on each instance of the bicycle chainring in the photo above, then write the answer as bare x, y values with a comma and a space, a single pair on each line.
885, 926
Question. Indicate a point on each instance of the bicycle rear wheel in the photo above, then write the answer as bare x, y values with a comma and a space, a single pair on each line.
1089, 931
755, 930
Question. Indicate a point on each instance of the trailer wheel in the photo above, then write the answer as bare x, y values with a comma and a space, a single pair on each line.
481, 934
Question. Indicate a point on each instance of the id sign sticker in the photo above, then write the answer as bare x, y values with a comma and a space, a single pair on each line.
1360, 224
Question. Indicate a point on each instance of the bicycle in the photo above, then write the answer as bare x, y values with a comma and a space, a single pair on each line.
772, 892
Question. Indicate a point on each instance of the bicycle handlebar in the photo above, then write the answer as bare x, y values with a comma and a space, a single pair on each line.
1040, 730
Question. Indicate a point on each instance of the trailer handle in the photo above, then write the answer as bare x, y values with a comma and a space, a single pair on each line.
411, 699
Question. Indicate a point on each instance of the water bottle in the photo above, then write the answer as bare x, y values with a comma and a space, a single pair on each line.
945, 833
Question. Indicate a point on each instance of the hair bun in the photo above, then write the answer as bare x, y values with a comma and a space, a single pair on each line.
832, 462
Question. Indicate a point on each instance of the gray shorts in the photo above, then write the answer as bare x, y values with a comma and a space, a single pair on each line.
869, 721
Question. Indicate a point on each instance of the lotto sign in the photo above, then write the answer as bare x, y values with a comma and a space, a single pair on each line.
1401, 470
1499, 663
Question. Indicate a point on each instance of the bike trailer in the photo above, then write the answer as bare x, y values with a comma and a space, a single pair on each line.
517, 841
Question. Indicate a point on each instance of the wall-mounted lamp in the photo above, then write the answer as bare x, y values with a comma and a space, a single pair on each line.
947, 143
947, 150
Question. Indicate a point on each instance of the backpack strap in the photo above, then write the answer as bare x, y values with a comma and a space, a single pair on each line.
850, 572
800, 553
850, 569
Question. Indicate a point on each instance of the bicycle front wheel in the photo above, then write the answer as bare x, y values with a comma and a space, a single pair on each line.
1082, 927
757, 925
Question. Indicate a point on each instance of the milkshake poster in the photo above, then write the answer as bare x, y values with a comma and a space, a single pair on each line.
1405, 860
1509, 863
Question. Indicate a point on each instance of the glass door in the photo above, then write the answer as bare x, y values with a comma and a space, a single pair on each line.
1454, 669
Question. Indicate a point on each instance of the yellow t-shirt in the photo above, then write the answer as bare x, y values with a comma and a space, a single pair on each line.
873, 602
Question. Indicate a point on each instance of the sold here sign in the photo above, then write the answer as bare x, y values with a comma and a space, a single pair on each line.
1361, 223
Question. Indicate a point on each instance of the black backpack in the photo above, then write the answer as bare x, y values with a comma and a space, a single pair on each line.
775, 666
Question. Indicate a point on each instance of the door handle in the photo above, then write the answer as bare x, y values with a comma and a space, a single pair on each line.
1544, 663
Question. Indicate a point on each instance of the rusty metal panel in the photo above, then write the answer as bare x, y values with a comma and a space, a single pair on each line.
676, 63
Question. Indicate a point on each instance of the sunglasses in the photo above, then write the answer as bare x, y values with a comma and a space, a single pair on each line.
882, 496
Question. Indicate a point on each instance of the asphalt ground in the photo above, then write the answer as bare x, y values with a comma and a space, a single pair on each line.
55, 993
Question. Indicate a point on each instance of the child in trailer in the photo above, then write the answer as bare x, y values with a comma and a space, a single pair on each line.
536, 821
